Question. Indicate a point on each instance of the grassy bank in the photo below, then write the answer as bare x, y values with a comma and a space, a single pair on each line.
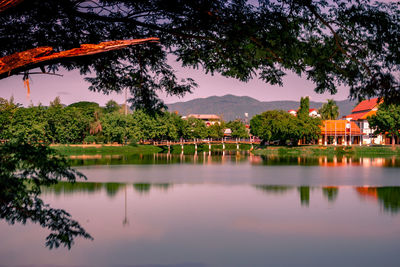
365, 151
68, 150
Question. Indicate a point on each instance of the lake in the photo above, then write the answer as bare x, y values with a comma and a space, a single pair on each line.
231, 209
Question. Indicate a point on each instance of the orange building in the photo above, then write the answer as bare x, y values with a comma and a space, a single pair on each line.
340, 132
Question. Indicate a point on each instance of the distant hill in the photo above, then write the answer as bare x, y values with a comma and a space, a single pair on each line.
232, 107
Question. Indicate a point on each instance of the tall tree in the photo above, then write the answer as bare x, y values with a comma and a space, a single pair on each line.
355, 43
329, 110
308, 126
56, 103
276, 125
386, 120
216, 130
304, 110
196, 128
114, 127
238, 129
111, 106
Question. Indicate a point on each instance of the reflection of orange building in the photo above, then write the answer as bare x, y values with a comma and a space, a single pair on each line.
349, 161
336, 162
340, 132
368, 192
256, 160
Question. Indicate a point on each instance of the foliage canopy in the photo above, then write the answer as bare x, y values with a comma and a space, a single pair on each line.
355, 43
279, 125
24, 168
386, 120
88, 122
329, 110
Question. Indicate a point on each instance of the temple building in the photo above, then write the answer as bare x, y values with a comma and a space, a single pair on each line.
209, 119
340, 132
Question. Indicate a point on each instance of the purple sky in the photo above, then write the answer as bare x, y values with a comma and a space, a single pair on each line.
72, 88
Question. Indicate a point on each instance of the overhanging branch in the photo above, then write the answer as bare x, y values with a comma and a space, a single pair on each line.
339, 40
40, 56
6, 4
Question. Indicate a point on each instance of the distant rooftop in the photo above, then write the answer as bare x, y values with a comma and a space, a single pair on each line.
361, 115
366, 105
364, 109
204, 116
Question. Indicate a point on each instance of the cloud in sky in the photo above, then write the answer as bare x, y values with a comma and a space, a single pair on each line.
63, 93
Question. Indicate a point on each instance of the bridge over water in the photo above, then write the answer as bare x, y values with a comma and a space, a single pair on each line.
210, 142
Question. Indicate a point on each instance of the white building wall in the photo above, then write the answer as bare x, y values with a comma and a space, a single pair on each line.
368, 133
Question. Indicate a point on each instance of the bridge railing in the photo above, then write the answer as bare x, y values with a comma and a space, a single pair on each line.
202, 141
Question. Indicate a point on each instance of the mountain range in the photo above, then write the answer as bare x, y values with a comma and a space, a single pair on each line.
232, 107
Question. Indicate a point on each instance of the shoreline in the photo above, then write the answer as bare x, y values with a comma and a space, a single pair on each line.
307, 150
318, 150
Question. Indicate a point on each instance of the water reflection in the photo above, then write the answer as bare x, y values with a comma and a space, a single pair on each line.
111, 189
327, 161
388, 196
304, 195
217, 224
234, 157
331, 193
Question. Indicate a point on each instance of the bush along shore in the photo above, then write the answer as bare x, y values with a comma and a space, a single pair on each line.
68, 150
363, 151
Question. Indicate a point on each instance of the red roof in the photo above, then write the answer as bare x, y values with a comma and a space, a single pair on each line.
361, 115
366, 105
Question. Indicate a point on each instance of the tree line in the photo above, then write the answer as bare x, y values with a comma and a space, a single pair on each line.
284, 128
88, 122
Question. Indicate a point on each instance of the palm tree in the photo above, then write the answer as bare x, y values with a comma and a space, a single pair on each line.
329, 110
95, 126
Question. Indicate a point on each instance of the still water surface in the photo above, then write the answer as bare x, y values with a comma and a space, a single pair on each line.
215, 210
